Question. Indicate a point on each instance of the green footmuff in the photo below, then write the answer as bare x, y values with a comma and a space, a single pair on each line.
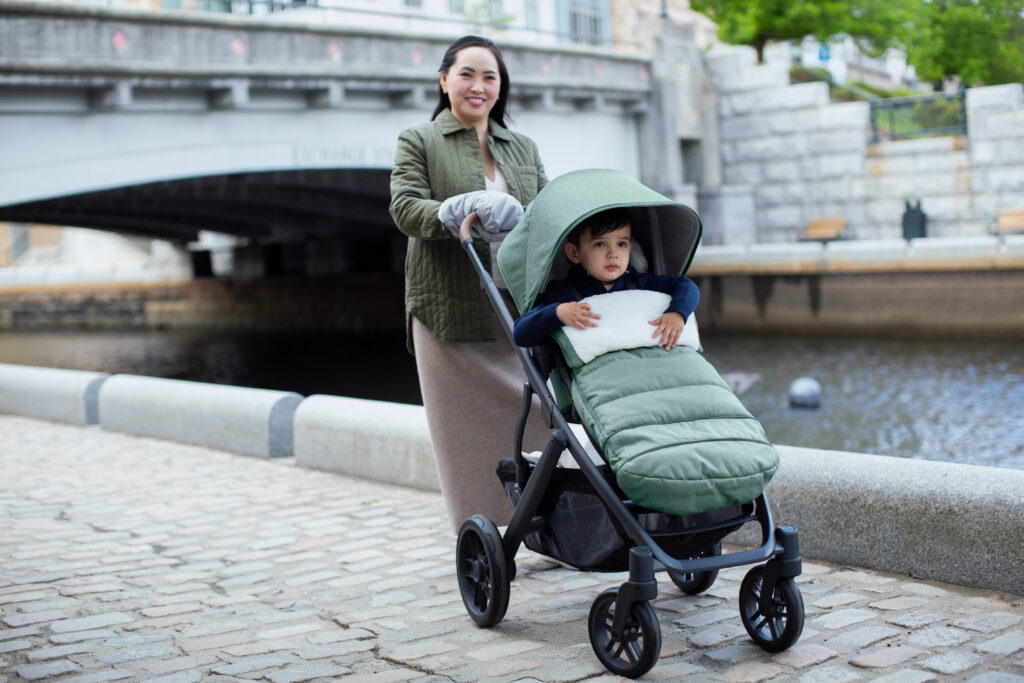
675, 435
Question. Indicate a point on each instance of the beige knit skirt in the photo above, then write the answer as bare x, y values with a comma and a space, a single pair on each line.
472, 393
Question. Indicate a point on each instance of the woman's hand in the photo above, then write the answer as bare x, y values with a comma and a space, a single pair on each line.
577, 314
670, 326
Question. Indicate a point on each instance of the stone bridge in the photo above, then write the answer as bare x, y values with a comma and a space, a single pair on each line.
161, 124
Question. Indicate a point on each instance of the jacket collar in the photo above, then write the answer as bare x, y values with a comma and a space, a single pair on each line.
588, 284
447, 122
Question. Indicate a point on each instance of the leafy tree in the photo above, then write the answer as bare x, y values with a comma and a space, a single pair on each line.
982, 41
875, 24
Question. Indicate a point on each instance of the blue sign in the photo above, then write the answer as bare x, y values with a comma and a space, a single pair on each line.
824, 53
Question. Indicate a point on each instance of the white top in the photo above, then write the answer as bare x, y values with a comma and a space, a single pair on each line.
499, 183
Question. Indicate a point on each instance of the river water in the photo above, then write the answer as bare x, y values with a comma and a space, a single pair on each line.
939, 400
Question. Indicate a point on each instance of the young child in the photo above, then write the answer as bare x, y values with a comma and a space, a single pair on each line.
598, 249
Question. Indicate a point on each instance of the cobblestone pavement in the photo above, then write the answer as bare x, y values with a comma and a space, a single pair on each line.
126, 558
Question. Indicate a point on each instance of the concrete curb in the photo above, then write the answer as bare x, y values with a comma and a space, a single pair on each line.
376, 440
51, 394
249, 421
961, 524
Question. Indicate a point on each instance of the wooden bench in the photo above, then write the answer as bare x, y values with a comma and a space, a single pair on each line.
1009, 221
824, 229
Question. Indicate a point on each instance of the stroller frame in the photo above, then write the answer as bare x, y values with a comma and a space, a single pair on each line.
771, 607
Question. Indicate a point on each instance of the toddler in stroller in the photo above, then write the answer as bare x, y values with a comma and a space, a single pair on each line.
682, 464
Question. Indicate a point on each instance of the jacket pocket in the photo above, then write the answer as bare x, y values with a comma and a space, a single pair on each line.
527, 180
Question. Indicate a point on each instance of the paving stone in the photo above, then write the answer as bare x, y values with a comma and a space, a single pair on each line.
174, 664
215, 642
989, 623
906, 676
939, 636
913, 619
57, 652
885, 657
15, 645
954, 662
832, 674
36, 672
842, 618
749, 673
90, 623
505, 649
99, 676
903, 602
831, 600
1006, 644
996, 677
703, 618
860, 638
181, 677
16, 620
735, 654
307, 672
803, 655
716, 634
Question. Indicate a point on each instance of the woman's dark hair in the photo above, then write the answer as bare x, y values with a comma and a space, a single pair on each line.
498, 112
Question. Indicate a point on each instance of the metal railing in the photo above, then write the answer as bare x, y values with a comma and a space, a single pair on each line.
901, 118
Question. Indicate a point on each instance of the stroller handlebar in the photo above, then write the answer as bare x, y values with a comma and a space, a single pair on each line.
466, 226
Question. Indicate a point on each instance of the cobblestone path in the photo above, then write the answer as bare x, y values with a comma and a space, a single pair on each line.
123, 558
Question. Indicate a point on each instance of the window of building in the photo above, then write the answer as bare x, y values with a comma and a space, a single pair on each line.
531, 14
585, 21
457, 6
414, 3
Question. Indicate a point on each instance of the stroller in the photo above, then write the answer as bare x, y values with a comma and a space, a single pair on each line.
682, 463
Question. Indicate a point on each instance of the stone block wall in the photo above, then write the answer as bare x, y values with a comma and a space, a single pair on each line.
799, 157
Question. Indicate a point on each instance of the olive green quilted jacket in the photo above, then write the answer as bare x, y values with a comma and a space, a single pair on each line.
434, 161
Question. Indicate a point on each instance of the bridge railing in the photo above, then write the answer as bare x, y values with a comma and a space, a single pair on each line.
901, 118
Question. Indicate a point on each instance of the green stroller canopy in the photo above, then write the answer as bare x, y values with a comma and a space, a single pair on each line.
532, 254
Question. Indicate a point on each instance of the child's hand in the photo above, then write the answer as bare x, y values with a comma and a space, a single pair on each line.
577, 314
670, 326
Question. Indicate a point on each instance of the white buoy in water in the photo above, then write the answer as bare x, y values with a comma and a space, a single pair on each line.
805, 392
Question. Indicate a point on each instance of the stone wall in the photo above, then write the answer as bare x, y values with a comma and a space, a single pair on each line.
793, 155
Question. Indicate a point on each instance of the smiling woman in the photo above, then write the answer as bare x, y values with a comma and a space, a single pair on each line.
470, 378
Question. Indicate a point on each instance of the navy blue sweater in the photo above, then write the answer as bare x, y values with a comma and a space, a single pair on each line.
535, 326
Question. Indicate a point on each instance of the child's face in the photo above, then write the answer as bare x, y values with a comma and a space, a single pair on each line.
606, 256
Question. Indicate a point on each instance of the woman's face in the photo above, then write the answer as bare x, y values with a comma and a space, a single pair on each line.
472, 84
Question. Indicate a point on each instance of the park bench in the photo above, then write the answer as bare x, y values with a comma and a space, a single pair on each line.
1009, 221
824, 229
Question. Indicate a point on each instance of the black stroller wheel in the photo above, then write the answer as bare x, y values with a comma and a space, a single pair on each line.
481, 568
780, 628
637, 651
694, 583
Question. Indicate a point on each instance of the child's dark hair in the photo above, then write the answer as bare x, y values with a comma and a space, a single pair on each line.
599, 224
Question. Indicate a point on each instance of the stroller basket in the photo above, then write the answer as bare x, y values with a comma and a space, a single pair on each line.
579, 531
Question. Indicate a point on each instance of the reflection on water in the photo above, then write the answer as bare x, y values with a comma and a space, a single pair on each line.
953, 401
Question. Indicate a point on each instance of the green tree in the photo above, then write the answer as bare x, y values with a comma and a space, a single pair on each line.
874, 24
981, 41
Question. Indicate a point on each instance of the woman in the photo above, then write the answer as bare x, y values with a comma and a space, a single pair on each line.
469, 376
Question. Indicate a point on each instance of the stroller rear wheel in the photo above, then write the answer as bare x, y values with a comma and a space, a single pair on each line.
694, 583
482, 571
780, 627
637, 651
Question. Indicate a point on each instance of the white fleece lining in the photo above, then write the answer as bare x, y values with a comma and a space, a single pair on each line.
625, 323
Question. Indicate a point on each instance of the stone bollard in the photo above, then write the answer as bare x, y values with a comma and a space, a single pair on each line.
249, 421
375, 440
51, 393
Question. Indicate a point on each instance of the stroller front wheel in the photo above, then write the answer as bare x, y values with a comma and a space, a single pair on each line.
780, 628
637, 651
481, 569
